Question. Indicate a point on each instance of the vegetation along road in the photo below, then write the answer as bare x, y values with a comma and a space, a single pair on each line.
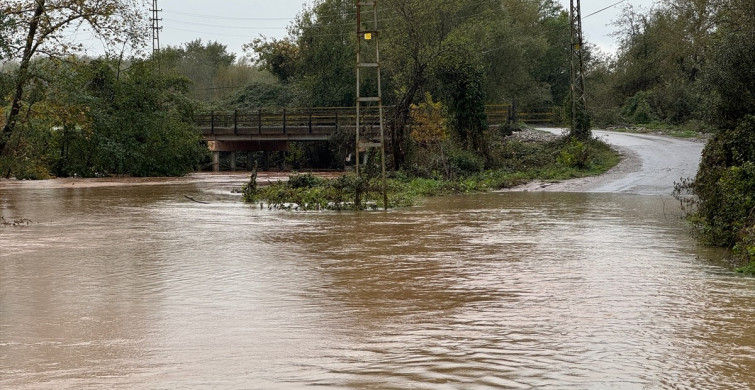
650, 165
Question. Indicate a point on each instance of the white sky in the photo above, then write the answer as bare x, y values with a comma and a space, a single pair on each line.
597, 28
236, 22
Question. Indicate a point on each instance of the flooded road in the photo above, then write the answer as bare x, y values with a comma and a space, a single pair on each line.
138, 287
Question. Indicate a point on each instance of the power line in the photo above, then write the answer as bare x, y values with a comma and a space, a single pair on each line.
209, 33
227, 27
601, 10
223, 17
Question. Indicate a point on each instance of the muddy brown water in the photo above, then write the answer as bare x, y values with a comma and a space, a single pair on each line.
138, 287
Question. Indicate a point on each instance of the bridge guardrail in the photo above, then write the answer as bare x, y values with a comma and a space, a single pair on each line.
323, 120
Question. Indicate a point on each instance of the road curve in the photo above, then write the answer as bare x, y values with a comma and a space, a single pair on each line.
650, 165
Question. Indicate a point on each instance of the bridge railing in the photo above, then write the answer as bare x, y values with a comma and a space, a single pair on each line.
282, 121
326, 120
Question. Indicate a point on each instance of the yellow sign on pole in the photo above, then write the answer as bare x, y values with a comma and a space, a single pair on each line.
367, 36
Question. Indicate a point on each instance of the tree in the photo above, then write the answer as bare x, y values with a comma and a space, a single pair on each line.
462, 85
422, 32
429, 122
326, 41
729, 76
463, 52
318, 54
142, 121
518, 47
5, 44
725, 182
279, 56
44, 28
552, 68
661, 57
202, 63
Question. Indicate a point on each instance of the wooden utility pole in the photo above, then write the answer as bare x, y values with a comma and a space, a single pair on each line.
580, 123
369, 36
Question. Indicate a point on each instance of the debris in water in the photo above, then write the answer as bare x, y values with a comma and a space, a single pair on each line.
15, 222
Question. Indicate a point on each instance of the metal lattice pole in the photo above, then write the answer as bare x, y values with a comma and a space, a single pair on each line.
580, 126
155, 19
367, 31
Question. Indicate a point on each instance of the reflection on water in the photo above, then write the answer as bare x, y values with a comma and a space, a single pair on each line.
139, 287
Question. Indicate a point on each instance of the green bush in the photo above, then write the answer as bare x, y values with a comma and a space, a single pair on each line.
724, 209
745, 248
515, 155
575, 154
725, 184
306, 180
465, 162
638, 108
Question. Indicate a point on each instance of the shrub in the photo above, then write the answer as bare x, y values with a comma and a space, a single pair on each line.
464, 162
574, 154
638, 108
306, 180
725, 184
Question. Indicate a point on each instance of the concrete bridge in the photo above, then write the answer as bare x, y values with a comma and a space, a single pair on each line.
271, 130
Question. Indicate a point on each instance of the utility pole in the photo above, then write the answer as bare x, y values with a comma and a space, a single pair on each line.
368, 36
155, 19
580, 122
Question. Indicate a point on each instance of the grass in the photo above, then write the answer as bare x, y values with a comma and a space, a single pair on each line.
514, 163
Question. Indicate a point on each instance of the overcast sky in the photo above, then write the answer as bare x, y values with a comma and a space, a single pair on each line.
235, 22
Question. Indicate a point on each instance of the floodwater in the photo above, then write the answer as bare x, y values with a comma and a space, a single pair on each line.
139, 287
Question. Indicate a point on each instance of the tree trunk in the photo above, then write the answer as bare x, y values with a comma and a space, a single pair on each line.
401, 118
23, 76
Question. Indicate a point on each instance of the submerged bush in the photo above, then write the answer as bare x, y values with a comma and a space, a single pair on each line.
725, 184
349, 192
724, 208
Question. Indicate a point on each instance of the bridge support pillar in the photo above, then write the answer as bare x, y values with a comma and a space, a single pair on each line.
233, 161
216, 161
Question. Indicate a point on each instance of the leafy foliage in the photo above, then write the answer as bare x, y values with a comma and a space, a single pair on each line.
429, 122
258, 95
5, 41
725, 185
462, 52
207, 65
150, 133
348, 192
278, 56
89, 119
45, 27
